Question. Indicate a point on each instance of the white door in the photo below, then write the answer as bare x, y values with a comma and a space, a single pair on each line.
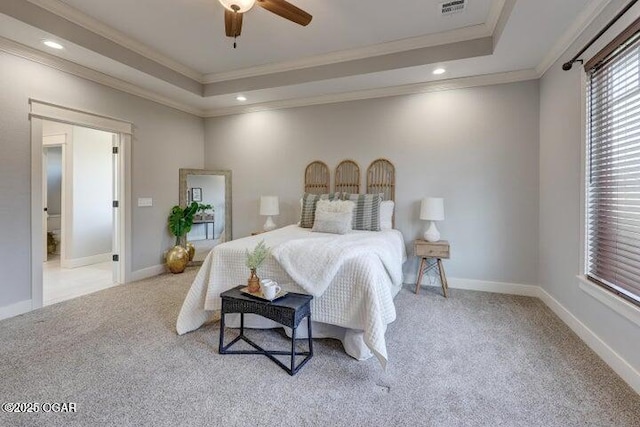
45, 214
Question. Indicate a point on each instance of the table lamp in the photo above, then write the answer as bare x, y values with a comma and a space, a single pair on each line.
432, 209
269, 206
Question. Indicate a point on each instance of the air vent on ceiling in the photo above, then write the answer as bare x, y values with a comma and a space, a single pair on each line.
452, 6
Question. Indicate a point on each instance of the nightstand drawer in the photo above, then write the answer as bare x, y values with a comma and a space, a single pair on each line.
432, 250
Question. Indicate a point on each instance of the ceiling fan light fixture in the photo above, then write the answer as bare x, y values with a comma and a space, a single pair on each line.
439, 71
241, 98
239, 6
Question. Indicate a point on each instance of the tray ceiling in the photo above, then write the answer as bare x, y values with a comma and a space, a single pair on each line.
176, 53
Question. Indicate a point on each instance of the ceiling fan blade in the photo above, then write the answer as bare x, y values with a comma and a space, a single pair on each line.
286, 10
232, 23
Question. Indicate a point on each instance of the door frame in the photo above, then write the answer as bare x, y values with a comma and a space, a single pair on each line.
40, 111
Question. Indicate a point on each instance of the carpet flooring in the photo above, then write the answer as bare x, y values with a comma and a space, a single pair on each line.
474, 359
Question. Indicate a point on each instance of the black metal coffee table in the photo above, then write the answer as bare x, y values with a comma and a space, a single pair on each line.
289, 311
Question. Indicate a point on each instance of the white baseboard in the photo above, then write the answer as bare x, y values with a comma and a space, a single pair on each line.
145, 273
15, 309
606, 353
81, 262
482, 285
496, 287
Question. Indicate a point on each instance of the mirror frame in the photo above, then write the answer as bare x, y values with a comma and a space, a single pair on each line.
182, 188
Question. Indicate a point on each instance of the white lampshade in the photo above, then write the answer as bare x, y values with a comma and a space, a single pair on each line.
241, 6
432, 209
269, 205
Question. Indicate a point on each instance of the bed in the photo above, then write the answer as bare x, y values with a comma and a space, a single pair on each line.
354, 278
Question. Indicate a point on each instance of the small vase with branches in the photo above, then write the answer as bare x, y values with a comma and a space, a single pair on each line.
254, 260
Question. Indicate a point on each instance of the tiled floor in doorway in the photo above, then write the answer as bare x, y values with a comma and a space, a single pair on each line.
61, 284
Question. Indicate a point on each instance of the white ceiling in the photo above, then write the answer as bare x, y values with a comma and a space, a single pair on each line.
192, 31
188, 36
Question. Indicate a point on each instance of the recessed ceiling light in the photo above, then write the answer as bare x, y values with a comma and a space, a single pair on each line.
439, 71
241, 98
53, 45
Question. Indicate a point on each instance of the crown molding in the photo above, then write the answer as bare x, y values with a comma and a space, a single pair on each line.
494, 15
458, 35
440, 85
584, 19
462, 34
26, 52
446, 37
64, 65
77, 17
17, 49
499, 7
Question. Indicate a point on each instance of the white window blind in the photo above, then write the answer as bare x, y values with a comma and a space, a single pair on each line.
613, 171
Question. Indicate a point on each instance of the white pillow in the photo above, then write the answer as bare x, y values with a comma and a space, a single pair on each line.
386, 215
333, 216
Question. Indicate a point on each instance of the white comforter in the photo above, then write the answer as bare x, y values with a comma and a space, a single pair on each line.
353, 277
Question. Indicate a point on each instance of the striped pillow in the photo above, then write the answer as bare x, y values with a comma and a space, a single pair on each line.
309, 201
366, 214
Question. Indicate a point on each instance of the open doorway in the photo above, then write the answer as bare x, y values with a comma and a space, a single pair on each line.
121, 132
79, 233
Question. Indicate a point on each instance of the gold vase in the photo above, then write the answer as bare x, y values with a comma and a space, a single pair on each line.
254, 281
177, 259
191, 250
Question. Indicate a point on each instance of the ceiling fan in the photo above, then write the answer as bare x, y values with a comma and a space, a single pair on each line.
234, 9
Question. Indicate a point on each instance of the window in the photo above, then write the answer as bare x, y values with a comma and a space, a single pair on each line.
613, 167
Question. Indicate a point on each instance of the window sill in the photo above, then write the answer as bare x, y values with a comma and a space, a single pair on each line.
614, 302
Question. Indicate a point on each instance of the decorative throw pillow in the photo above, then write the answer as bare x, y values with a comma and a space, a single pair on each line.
366, 214
386, 214
333, 216
309, 202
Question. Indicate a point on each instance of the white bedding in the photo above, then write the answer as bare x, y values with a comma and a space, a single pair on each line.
359, 289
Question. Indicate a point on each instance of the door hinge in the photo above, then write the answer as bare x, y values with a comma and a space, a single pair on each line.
115, 204
115, 150
115, 257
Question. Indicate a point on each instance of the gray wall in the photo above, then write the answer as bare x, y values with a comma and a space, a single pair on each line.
561, 143
164, 140
477, 148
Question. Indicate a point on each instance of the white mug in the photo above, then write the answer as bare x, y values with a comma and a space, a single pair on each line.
270, 290
263, 283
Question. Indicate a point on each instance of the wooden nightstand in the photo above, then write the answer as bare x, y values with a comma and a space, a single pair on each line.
437, 250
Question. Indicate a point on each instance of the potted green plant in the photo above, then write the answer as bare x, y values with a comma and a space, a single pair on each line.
180, 222
254, 260
202, 212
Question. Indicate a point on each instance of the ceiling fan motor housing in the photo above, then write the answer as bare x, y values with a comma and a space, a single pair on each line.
239, 6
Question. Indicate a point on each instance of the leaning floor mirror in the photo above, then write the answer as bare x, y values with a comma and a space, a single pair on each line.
211, 189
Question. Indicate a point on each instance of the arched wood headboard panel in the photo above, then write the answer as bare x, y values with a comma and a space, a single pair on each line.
381, 178
317, 178
347, 177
